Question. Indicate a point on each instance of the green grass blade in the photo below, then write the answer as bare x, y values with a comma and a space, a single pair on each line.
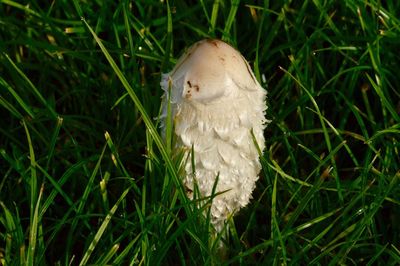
35, 91
25, 8
102, 228
121, 257
10, 108
34, 225
108, 256
13, 234
33, 178
53, 141
385, 101
56, 186
84, 200
230, 19
117, 162
19, 100
276, 234
214, 17
148, 122
325, 132
169, 40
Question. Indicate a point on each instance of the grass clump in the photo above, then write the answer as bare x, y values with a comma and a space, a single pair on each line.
86, 178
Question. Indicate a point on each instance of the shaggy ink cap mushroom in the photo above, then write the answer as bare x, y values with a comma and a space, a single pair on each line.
216, 102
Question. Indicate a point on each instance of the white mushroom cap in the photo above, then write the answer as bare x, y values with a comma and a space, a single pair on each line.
202, 72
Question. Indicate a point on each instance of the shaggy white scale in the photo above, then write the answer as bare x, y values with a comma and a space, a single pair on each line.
215, 103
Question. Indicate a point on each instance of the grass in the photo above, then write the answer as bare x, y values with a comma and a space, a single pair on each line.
87, 179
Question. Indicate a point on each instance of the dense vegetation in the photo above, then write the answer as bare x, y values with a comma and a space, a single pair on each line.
85, 177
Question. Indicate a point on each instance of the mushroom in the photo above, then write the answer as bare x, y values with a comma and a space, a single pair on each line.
216, 102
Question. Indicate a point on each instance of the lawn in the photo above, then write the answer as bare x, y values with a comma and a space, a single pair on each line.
86, 178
